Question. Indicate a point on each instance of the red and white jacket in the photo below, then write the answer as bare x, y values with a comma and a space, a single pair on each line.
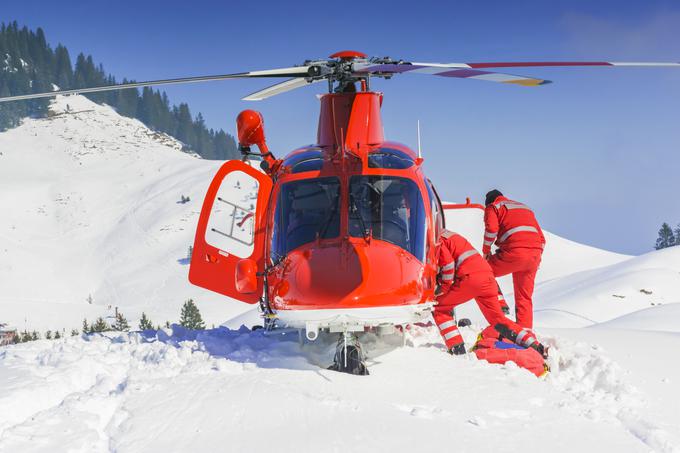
457, 257
511, 225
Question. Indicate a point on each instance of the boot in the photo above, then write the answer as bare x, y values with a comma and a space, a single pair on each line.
458, 349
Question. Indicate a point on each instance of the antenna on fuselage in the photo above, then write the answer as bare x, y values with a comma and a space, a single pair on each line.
420, 154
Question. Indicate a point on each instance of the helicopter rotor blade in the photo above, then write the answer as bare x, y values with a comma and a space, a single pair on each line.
473, 70
297, 72
288, 85
457, 70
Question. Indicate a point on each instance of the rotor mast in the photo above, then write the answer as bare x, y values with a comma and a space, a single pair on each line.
349, 119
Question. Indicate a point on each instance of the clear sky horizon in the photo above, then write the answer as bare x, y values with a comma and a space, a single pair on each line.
596, 153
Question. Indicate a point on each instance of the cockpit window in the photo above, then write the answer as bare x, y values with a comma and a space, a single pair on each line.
305, 210
305, 161
390, 209
389, 158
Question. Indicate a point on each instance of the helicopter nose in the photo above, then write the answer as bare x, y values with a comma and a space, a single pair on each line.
350, 275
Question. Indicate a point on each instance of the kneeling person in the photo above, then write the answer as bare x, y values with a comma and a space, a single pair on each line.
465, 275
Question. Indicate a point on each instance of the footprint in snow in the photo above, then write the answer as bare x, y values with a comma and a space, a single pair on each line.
427, 412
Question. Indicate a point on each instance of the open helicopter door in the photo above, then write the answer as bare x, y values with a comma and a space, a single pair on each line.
231, 232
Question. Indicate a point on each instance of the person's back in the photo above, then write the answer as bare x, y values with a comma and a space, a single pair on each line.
512, 225
465, 258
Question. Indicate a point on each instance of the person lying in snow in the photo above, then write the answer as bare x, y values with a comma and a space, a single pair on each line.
465, 275
494, 347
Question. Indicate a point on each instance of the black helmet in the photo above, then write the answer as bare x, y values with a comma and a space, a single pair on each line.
491, 196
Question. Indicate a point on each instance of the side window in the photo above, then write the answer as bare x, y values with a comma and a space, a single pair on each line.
437, 210
232, 217
389, 158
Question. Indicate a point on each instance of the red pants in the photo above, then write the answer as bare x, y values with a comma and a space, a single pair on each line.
480, 286
522, 263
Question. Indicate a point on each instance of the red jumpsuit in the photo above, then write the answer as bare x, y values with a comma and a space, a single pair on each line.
465, 275
514, 229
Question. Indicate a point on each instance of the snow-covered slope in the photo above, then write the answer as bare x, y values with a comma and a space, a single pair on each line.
90, 207
600, 295
561, 256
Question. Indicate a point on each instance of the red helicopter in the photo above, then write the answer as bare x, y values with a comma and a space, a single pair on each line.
340, 236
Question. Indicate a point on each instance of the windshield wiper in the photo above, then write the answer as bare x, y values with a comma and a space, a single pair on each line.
353, 209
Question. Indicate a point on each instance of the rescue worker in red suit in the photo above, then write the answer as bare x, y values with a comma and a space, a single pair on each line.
465, 275
514, 229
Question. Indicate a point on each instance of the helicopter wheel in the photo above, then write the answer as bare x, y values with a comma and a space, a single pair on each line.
349, 358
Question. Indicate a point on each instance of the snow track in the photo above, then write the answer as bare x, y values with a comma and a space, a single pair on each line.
174, 390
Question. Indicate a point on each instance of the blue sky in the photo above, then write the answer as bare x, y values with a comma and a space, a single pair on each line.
596, 154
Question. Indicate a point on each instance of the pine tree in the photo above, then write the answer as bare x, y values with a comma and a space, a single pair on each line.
121, 324
89, 299
145, 323
63, 69
57, 335
48, 335
17, 338
100, 326
35, 336
86, 328
666, 237
190, 317
25, 336
74, 332
677, 235
190, 252
29, 65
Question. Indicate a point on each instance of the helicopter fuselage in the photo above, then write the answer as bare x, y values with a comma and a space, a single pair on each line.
346, 233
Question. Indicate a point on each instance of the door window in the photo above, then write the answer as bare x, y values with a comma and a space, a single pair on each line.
232, 217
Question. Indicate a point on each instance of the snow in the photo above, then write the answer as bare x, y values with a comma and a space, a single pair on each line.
177, 390
90, 206
595, 296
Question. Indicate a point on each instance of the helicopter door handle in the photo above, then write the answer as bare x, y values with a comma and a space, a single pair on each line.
211, 259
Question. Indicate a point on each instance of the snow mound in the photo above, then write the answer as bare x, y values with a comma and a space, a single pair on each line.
600, 295
662, 318
597, 389
175, 389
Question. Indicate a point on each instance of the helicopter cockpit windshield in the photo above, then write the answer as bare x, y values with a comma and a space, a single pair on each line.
306, 209
391, 208
387, 208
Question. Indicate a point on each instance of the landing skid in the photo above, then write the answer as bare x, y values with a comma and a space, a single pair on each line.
349, 357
